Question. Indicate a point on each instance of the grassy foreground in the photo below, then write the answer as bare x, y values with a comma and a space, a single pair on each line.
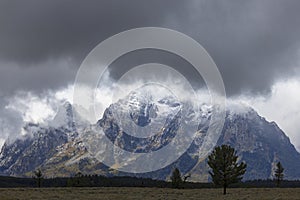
148, 193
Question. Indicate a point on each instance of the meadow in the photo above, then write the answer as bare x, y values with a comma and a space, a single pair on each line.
124, 193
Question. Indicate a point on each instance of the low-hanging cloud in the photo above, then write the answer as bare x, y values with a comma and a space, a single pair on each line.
11, 123
281, 106
41, 108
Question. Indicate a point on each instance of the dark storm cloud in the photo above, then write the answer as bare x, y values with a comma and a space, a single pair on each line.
37, 36
36, 78
254, 43
37, 30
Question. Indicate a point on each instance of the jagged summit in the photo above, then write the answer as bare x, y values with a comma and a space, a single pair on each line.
68, 118
64, 116
258, 142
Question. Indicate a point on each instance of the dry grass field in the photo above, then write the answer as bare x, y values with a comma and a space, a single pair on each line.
149, 193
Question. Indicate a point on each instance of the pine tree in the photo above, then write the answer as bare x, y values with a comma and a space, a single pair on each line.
279, 173
225, 168
38, 176
176, 178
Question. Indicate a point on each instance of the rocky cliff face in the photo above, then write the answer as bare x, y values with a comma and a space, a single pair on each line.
27, 153
59, 150
260, 144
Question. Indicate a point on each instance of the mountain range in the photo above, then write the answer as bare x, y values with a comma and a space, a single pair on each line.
63, 148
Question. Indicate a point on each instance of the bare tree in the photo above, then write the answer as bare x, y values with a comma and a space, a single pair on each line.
186, 177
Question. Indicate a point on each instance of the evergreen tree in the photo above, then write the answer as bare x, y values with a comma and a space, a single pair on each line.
279, 173
38, 176
176, 178
225, 168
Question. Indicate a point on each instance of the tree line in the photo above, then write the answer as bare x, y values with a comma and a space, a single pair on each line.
225, 169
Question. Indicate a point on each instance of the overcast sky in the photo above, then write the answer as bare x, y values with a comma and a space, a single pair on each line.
255, 44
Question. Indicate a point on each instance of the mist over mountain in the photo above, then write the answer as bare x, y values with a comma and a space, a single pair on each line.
63, 148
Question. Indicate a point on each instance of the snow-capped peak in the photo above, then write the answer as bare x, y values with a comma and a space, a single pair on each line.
64, 116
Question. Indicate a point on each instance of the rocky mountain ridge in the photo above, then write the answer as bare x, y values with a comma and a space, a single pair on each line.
60, 148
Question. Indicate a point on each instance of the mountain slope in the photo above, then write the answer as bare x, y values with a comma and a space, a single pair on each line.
261, 144
27, 153
60, 149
